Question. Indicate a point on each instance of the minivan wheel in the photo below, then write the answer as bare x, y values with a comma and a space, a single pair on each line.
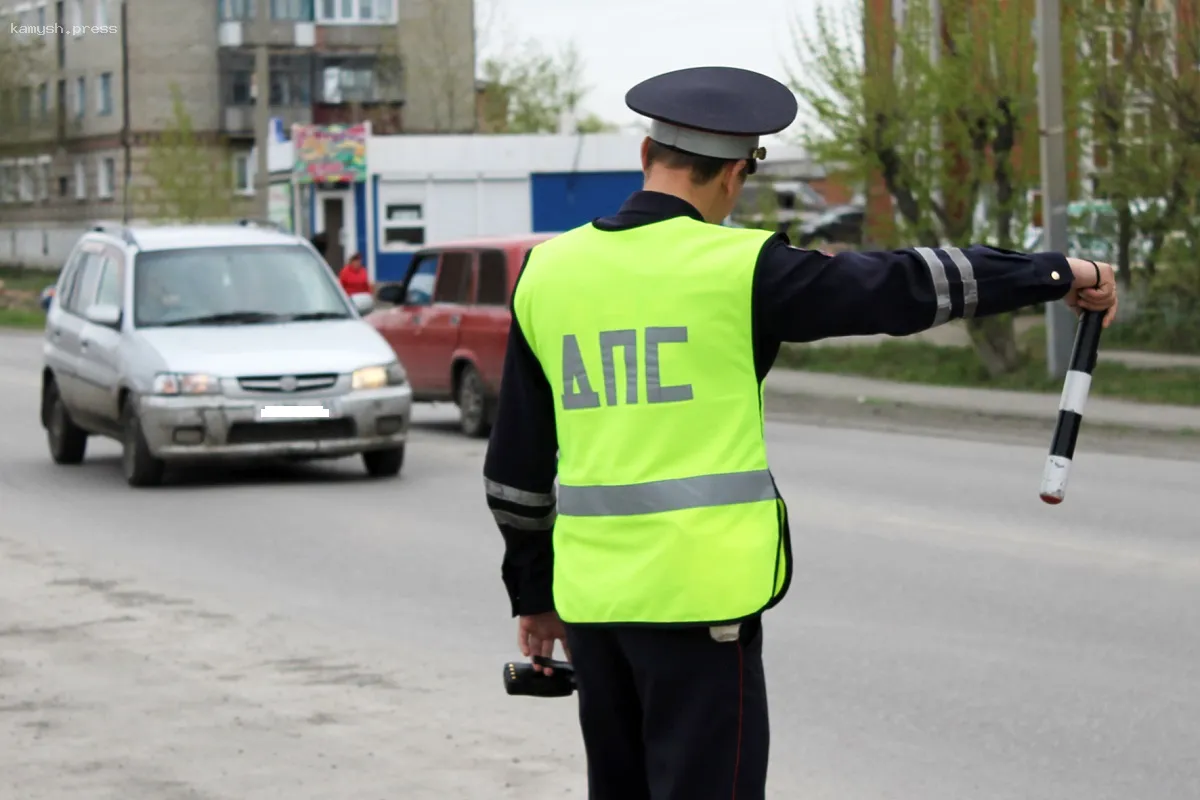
384, 463
67, 441
474, 404
141, 468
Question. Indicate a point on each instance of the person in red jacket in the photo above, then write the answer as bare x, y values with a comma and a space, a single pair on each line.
354, 277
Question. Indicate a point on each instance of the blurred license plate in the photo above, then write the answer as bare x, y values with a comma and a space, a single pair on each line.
291, 412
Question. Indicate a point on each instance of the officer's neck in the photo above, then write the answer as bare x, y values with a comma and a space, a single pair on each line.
679, 184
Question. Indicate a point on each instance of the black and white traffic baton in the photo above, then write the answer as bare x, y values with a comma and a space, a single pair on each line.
1070, 407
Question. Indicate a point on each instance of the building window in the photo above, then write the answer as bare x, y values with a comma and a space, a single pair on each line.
101, 13
243, 174
80, 97
41, 16
301, 88
233, 10
64, 186
356, 12
5, 184
403, 225
25, 104
28, 179
81, 187
104, 100
106, 178
281, 89
240, 93
43, 101
77, 13
292, 10
45, 179
349, 85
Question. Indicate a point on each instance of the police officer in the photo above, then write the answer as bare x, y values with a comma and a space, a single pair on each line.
638, 349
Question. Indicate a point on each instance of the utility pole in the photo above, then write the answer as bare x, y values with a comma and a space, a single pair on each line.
1060, 322
262, 107
126, 132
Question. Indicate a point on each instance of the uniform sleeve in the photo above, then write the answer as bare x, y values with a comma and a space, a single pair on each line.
806, 295
519, 471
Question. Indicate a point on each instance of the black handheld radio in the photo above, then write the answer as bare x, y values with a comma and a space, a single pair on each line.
521, 679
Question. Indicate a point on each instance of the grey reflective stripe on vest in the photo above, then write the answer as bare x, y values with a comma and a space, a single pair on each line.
702, 491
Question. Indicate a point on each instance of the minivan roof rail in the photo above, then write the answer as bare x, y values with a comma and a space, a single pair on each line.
116, 229
262, 223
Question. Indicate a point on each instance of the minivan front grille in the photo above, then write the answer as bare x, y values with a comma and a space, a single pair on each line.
287, 383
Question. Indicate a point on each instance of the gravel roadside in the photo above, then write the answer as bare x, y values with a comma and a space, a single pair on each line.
108, 690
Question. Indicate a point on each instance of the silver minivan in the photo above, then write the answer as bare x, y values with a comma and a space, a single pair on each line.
215, 342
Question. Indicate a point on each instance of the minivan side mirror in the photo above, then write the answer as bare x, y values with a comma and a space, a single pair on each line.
363, 302
391, 293
108, 316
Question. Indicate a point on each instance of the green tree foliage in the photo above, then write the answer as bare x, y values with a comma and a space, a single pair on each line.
528, 90
191, 179
943, 112
1143, 91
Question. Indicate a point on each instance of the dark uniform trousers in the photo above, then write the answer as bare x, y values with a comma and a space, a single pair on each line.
671, 713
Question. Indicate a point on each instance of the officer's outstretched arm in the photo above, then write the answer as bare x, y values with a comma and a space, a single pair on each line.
519, 471
805, 295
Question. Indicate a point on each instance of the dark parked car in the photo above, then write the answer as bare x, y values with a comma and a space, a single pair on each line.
841, 225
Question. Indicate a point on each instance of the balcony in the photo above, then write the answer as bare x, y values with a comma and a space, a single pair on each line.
238, 121
386, 118
291, 24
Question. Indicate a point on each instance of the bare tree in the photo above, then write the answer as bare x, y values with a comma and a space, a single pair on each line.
531, 90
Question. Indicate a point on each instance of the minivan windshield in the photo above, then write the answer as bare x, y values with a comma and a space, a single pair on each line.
233, 286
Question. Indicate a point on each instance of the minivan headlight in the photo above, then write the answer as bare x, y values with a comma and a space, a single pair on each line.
392, 374
171, 383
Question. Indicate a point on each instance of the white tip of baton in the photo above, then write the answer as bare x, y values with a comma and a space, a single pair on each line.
1054, 480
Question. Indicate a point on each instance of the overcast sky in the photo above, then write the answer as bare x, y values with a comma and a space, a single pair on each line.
625, 41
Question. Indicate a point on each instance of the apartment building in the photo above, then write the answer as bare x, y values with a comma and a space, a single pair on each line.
68, 122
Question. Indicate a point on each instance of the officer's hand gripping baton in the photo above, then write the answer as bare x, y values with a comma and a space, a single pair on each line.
1070, 407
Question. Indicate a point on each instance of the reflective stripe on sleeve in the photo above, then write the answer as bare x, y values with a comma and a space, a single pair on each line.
544, 523
702, 491
520, 496
970, 285
941, 284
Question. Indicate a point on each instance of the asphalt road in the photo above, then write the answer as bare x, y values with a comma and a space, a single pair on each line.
306, 633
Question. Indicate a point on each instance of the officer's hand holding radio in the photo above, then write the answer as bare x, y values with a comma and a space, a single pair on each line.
536, 635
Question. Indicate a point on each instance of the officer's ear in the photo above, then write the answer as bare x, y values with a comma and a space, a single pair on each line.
733, 177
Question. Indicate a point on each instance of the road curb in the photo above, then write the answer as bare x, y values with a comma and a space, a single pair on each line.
796, 389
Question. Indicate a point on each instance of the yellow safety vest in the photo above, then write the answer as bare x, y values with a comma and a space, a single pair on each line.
667, 512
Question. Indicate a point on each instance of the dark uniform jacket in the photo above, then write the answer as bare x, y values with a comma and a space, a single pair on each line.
799, 296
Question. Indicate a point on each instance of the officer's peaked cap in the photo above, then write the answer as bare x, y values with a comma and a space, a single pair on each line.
718, 112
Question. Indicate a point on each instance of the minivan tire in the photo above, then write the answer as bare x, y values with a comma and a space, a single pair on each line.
384, 463
67, 441
475, 407
139, 465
